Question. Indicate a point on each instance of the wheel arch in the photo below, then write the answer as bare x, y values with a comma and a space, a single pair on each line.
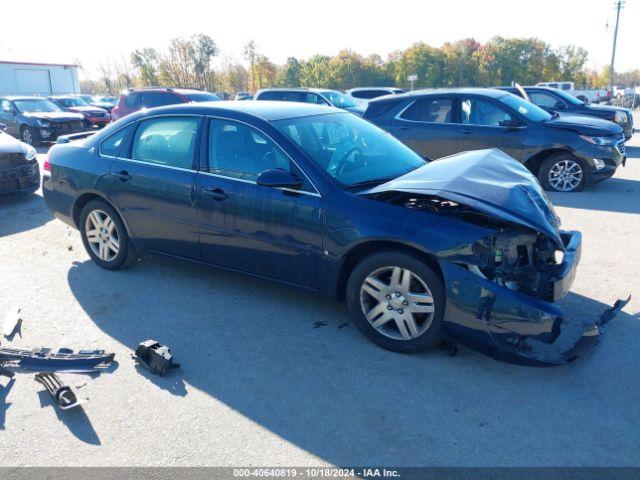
534, 162
358, 252
85, 198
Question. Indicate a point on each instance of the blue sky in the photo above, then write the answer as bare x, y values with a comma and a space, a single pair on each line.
98, 30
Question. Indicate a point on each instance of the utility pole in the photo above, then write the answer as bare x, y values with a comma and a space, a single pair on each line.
619, 5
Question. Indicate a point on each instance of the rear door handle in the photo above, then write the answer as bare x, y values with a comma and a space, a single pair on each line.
123, 175
216, 193
466, 132
404, 127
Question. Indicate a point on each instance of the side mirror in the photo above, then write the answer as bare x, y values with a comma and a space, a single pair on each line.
511, 124
3, 127
279, 178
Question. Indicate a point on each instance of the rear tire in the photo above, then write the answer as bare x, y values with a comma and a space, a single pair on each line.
562, 172
105, 237
397, 301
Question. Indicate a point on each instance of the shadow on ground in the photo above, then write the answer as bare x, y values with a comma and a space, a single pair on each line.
75, 419
252, 345
613, 195
22, 213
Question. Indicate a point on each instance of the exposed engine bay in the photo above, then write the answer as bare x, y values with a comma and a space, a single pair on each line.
514, 256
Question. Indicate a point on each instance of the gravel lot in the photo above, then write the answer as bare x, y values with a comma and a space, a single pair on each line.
259, 385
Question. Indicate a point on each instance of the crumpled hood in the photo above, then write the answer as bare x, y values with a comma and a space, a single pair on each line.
489, 181
56, 116
8, 144
584, 124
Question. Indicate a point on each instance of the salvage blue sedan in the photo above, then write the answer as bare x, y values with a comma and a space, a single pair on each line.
466, 249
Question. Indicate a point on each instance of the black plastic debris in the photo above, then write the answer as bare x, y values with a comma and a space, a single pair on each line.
63, 359
5, 373
155, 357
63, 395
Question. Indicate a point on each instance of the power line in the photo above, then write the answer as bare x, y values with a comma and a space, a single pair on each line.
619, 6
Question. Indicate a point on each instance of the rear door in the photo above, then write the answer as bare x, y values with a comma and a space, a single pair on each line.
484, 123
152, 181
266, 231
427, 127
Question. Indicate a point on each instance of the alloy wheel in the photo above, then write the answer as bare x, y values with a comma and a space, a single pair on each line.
565, 175
27, 136
102, 235
397, 303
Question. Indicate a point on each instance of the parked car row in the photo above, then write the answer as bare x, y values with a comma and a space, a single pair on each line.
465, 249
566, 152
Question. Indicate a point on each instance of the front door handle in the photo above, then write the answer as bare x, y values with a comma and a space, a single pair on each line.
466, 132
216, 193
123, 175
404, 127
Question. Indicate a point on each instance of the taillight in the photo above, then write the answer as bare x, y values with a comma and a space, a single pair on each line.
47, 161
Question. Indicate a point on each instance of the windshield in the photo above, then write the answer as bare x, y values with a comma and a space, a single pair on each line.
338, 99
73, 102
526, 109
37, 105
202, 97
351, 150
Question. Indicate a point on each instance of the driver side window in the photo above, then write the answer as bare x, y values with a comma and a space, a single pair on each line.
475, 111
544, 100
239, 151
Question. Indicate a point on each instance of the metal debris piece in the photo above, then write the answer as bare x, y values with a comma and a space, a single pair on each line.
155, 357
11, 320
64, 359
64, 396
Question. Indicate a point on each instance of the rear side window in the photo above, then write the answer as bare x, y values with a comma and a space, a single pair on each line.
168, 141
171, 99
272, 96
112, 144
132, 100
151, 99
369, 94
432, 110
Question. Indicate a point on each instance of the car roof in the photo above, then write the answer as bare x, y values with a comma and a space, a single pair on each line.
487, 92
266, 110
164, 89
24, 97
364, 89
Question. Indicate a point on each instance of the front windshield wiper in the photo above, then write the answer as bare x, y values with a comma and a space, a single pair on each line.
372, 182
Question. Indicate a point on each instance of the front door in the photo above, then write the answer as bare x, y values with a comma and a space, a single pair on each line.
485, 124
9, 117
152, 181
266, 231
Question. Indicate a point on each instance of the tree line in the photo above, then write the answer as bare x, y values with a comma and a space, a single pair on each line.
196, 62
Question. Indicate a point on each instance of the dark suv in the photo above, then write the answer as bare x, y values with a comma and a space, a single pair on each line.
36, 119
566, 152
554, 100
135, 99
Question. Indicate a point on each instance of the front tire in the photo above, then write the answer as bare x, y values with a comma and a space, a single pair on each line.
105, 237
562, 172
30, 136
397, 301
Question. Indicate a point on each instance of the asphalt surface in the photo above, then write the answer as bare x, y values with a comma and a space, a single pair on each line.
260, 386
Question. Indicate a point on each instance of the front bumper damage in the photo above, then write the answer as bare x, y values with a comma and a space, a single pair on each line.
514, 327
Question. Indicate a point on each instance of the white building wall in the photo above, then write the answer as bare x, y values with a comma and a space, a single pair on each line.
45, 79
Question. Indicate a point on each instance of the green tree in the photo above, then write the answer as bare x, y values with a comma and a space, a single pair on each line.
288, 75
145, 61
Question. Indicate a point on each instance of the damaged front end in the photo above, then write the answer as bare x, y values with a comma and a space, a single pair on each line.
501, 287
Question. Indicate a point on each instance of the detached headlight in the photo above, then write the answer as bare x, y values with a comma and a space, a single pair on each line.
621, 118
43, 123
31, 153
600, 140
